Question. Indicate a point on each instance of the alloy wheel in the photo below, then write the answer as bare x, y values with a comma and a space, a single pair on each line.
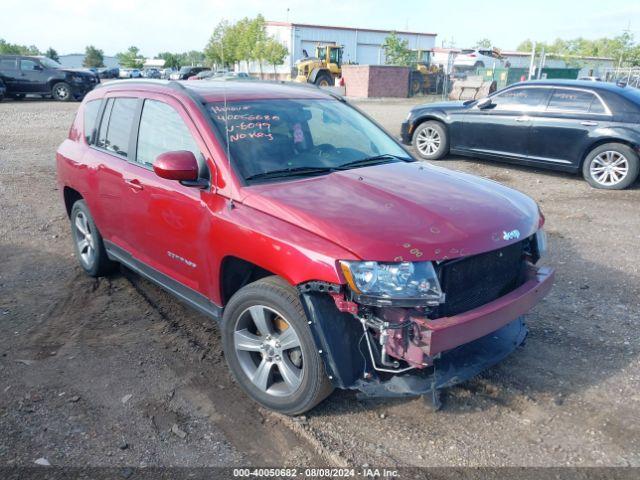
62, 92
428, 141
268, 350
84, 240
609, 168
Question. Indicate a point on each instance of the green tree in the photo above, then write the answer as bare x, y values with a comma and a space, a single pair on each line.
171, 60
93, 57
396, 50
7, 48
131, 58
192, 58
52, 54
221, 49
619, 48
483, 43
274, 53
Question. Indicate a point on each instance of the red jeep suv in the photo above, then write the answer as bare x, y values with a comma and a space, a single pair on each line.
327, 254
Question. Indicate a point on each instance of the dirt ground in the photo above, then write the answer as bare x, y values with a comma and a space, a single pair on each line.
115, 372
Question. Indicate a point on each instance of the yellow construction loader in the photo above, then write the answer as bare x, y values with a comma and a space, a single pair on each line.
321, 70
422, 74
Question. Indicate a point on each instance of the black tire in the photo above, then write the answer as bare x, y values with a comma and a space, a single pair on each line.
324, 80
594, 167
100, 264
273, 293
430, 140
61, 92
416, 83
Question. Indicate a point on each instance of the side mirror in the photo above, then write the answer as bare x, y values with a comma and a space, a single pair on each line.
484, 103
179, 165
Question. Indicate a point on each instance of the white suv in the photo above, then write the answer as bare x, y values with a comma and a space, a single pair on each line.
473, 58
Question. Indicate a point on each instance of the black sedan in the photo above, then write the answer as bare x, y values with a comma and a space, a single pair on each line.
573, 126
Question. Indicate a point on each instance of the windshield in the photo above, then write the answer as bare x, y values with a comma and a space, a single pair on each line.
296, 134
47, 62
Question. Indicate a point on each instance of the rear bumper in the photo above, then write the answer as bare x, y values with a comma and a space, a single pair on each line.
443, 334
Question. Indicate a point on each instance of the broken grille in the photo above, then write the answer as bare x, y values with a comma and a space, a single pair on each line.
474, 281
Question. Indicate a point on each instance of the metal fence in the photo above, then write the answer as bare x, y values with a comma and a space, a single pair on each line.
629, 76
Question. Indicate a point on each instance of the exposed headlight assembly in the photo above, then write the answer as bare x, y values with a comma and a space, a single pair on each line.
409, 284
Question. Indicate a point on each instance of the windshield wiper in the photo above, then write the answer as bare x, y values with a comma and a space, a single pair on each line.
374, 160
290, 172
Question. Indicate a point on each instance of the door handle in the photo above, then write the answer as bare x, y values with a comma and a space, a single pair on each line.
589, 124
134, 184
522, 119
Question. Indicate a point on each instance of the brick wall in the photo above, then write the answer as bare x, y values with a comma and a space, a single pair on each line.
367, 81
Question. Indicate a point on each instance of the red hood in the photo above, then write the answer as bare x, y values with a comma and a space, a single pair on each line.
402, 211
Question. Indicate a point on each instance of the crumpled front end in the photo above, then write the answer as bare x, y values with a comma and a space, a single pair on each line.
391, 350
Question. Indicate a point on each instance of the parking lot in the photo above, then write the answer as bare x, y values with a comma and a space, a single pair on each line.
115, 371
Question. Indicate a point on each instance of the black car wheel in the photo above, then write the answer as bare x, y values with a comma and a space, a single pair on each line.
61, 91
270, 350
430, 140
612, 166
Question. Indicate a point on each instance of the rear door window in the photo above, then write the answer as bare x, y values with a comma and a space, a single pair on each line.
162, 130
115, 128
575, 101
520, 99
90, 115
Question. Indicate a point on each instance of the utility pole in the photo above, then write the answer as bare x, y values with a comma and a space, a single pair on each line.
628, 30
533, 60
541, 64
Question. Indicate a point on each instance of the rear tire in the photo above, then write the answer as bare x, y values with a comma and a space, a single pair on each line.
611, 166
61, 92
430, 140
270, 350
88, 242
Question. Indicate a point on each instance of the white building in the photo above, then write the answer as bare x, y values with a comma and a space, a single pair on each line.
361, 45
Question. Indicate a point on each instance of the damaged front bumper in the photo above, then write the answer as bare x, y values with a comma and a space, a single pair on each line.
435, 353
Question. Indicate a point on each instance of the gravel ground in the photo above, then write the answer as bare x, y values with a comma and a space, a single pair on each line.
115, 372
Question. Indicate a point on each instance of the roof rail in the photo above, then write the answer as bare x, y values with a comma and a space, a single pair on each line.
293, 83
149, 81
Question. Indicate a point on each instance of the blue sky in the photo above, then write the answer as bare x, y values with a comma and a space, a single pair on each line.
180, 25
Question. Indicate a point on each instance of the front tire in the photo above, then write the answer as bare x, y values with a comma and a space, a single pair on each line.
612, 166
270, 350
323, 80
88, 242
61, 92
430, 140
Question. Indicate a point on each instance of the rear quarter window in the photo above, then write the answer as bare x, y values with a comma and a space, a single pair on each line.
91, 110
7, 63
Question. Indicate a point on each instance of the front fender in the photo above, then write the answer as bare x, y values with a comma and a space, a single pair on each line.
275, 245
